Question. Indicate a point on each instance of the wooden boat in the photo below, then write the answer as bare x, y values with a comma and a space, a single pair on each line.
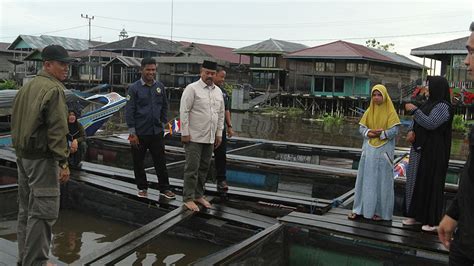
97, 110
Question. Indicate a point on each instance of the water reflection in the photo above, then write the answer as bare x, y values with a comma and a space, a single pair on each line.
299, 130
170, 250
77, 234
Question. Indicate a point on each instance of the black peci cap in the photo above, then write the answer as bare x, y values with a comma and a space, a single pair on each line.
209, 65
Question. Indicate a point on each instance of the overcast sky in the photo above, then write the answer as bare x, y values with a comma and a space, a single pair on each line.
407, 23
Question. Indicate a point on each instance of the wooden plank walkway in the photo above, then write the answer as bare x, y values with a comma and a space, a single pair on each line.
391, 233
322, 205
218, 211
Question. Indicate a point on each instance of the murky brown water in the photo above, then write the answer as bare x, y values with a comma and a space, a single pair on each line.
77, 234
302, 130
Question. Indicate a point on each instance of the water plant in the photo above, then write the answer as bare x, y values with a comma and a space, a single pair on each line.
332, 119
282, 111
459, 124
8, 85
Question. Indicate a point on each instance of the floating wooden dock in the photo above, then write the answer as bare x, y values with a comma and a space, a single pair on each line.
390, 237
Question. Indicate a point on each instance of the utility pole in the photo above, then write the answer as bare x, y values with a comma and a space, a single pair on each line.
172, 11
90, 66
88, 18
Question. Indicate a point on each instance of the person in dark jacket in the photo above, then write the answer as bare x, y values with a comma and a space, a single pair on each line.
76, 139
146, 115
456, 230
220, 157
39, 129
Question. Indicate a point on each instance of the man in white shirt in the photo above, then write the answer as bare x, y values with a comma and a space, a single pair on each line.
202, 122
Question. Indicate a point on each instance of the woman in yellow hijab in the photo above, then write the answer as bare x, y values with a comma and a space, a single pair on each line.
374, 194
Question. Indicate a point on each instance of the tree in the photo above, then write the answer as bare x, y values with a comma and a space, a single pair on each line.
376, 44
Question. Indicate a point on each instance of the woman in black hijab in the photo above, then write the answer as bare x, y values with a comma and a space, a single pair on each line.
429, 156
75, 139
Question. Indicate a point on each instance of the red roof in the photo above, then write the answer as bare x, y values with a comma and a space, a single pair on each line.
221, 52
4, 45
340, 49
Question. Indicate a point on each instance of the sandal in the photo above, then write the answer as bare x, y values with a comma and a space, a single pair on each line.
353, 216
376, 218
410, 221
429, 228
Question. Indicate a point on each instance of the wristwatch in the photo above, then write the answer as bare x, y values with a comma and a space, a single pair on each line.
63, 165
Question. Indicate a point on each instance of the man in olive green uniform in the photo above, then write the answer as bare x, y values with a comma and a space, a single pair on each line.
39, 129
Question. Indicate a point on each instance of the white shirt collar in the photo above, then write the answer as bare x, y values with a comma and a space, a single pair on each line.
204, 85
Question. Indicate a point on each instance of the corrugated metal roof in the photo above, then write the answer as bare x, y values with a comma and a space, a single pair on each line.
271, 46
39, 42
456, 46
399, 58
93, 53
127, 61
182, 59
224, 53
141, 43
347, 50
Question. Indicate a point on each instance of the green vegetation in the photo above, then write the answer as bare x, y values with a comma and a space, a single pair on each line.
282, 111
8, 85
376, 44
459, 124
332, 119
228, 88
335, 119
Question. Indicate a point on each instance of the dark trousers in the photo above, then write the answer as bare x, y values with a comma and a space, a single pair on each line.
155, 144
198, 158
457, 257
76, 158
220, 159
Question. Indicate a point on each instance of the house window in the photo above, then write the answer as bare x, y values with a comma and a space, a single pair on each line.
324, 84
263, 79
271, 61
319, 66
330, 67
362, 68
256, 60
319, 84
339, 85
351, 67
268, 61
180, 68
195, 68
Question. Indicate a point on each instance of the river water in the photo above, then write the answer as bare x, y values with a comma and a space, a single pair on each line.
305, 130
